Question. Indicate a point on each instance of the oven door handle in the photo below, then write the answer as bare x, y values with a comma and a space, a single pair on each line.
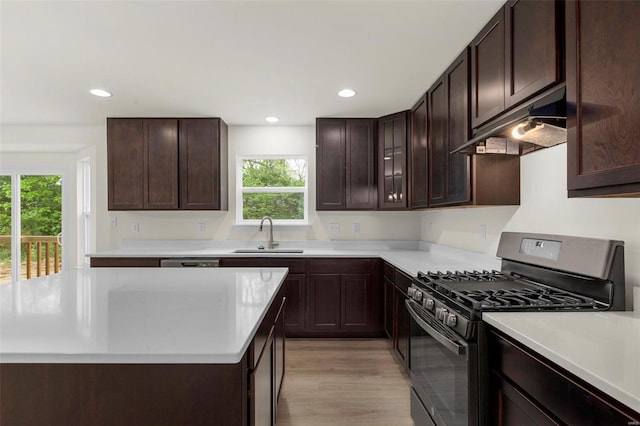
447, 343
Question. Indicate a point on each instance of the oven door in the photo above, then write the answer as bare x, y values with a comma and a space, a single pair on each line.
443, 369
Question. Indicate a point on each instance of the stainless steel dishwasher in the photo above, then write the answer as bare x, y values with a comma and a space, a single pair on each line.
190, 262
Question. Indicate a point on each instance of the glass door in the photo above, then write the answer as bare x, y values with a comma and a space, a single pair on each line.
30, 226
6, 245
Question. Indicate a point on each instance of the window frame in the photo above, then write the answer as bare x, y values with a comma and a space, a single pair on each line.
240, 189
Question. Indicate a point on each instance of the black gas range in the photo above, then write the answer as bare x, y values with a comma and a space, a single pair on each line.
539, 272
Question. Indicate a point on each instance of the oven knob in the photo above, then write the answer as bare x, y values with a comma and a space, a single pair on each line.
452, 320
417, 295
411, 291
429, 304
441, 314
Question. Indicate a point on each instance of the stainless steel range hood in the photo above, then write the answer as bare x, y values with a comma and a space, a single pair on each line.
539, 123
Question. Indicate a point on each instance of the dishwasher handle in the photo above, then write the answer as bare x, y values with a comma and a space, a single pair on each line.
190, 263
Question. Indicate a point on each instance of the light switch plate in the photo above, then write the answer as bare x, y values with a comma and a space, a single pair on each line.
135, 227
334, 228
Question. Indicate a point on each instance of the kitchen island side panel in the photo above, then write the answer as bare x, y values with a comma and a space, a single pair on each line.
134, 394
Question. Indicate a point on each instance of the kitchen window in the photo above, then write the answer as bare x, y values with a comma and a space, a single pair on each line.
274, 186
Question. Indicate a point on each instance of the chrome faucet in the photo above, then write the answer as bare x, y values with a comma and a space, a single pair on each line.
270, 243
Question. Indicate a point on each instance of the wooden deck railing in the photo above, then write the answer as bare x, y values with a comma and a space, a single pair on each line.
46, 250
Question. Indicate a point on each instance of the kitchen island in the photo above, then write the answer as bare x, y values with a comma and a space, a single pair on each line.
142, 346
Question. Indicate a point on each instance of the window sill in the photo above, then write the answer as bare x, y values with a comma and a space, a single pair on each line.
276, 227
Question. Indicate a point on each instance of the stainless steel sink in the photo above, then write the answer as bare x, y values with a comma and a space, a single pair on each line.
265, 251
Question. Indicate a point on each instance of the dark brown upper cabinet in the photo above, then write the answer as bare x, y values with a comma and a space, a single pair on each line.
487, 72
603, 98
392, 157
346, 164
459, 179
533, 57
142, 164
448, 124
418, 174
515, 56
203, 164
166, 163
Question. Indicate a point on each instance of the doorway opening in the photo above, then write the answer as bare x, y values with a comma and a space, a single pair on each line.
30, 225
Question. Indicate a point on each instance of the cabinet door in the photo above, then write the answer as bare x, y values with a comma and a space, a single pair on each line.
392, 167
125, 152
279, 351
603, 94
203, 163
161, 164
355, 302
532, 48
361, 189
389, 309
437, 142
487, 71
294, 291
512, 408
402, 345
458, 167
330, 164
323, 302
418, 173
262, 403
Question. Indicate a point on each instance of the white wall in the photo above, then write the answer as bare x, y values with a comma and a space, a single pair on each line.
544, 208
259, 140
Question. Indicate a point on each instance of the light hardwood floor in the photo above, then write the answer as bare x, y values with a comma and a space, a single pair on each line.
343, 382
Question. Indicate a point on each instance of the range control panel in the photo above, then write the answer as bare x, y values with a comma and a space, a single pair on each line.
544, 249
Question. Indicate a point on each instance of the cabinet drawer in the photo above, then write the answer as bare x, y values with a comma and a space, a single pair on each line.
132, 262
569, 398
339, 266
296, 266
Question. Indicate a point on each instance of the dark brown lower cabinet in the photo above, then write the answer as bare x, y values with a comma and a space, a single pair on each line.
397, 322
294, 291
328, 297
323, 302
344, 298
526, 388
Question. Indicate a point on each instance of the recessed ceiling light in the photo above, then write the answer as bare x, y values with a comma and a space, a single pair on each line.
101, 93
272, 119
346, 93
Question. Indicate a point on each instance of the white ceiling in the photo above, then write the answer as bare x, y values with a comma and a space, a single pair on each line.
239, 60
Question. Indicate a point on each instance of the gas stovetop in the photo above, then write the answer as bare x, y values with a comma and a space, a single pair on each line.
496, 291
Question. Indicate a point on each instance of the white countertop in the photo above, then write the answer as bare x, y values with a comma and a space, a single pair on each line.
136, 315
601, 348
407, 256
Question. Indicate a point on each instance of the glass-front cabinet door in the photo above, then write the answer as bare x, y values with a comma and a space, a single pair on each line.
392, 170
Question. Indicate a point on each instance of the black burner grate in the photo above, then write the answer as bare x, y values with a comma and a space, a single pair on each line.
495, 291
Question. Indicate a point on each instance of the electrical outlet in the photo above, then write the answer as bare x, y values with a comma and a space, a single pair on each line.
334, 228
135, 227
356, 227
202, 227
483, 232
